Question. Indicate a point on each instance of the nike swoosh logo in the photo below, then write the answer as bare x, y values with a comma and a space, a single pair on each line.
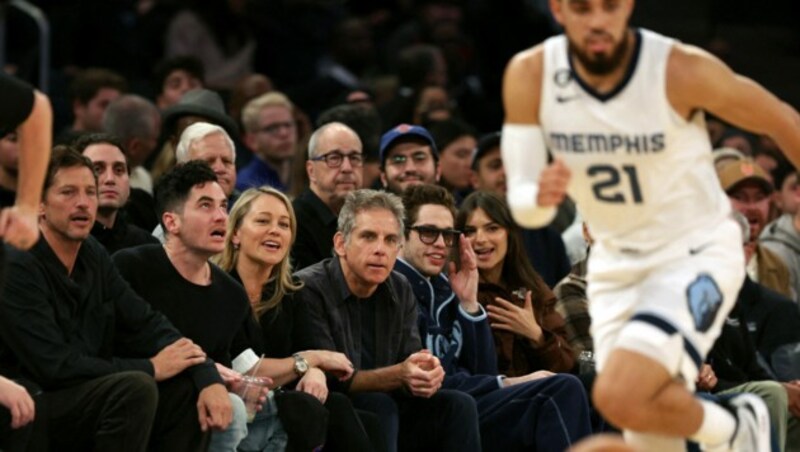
699, 249
562, 99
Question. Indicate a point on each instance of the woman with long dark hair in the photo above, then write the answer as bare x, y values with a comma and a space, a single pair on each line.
261, 230
528, 332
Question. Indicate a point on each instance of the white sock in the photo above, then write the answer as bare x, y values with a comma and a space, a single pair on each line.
717, 427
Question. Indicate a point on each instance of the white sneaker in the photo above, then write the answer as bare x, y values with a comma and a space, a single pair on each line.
753, 430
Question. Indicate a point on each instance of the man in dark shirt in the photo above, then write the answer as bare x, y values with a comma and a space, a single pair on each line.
334, 167
72, 327
112, 229
359, 307
200, 299
27, 112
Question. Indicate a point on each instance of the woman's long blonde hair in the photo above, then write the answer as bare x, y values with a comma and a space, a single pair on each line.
230, 255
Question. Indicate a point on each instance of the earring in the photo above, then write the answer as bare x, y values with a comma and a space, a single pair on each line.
236, 246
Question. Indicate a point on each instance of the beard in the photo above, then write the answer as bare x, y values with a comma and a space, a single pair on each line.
600, 64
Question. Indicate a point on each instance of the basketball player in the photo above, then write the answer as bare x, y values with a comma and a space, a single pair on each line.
621, 110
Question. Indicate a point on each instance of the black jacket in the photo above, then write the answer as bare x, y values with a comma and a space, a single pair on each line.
59, 329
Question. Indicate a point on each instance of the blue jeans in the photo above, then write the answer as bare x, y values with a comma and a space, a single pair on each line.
227, 440
265, 433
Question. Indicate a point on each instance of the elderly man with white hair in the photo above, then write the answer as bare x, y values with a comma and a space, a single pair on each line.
211, 144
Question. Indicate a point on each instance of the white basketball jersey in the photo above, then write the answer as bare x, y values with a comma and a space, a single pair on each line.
641, 174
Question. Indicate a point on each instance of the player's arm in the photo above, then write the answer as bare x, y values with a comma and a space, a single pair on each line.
18, 224
34, 142
534, 188
697, 79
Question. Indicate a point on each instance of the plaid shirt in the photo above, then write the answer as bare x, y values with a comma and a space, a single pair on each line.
573, 305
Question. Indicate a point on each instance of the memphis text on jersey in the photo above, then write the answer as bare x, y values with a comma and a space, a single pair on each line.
606, 143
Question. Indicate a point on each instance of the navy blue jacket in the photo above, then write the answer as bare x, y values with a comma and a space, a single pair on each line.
462, 342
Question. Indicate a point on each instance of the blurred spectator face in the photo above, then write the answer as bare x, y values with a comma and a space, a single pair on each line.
9, 154
276, 137
715, 130
182, 123
750, 199
433, 105
89, 116
455, 162
215, 150
767, 162
739, 142
177, 83
409, 164
787, 199
246, 90
112, 175
490, 174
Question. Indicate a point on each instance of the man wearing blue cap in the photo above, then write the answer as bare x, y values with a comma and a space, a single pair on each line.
408, 157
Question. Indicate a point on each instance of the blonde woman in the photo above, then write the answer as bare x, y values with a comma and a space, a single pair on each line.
261, 231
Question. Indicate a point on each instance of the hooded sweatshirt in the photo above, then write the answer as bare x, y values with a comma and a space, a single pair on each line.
783, 239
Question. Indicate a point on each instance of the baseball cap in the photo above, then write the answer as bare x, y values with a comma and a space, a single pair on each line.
402, 132
738, 172
485, 144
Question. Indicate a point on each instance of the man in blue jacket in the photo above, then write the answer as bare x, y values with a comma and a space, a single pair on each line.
540, 411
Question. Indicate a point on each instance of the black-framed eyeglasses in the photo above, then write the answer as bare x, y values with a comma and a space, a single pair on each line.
429, 234
335, 159
417, 158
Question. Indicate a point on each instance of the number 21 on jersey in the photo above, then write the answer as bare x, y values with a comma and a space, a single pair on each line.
615, 184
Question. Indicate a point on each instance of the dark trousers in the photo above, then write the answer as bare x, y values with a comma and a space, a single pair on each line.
118, 412
446, 422
13, 440
346, 432
549, 414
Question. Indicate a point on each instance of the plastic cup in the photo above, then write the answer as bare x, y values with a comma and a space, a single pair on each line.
251, 392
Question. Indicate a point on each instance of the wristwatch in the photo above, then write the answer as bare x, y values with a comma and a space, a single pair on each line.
300, 364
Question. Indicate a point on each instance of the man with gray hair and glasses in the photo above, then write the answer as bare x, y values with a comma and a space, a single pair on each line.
335, 168
358, 306
211, 144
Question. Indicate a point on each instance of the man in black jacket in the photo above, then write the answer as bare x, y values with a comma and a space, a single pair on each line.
104, 360
733, 367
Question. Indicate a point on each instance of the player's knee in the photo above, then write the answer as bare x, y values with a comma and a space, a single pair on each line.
615, 404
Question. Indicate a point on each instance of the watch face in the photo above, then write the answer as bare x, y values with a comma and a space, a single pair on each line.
300, 365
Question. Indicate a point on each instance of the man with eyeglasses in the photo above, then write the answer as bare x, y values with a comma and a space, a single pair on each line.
271, 133
334, 167
540, 411
408, 157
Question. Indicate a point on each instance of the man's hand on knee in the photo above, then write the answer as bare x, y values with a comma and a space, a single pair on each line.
18, 401
214, 408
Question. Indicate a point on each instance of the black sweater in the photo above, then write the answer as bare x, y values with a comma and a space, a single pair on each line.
212, 316
60, 329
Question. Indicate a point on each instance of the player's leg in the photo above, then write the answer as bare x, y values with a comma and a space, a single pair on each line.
646, 380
